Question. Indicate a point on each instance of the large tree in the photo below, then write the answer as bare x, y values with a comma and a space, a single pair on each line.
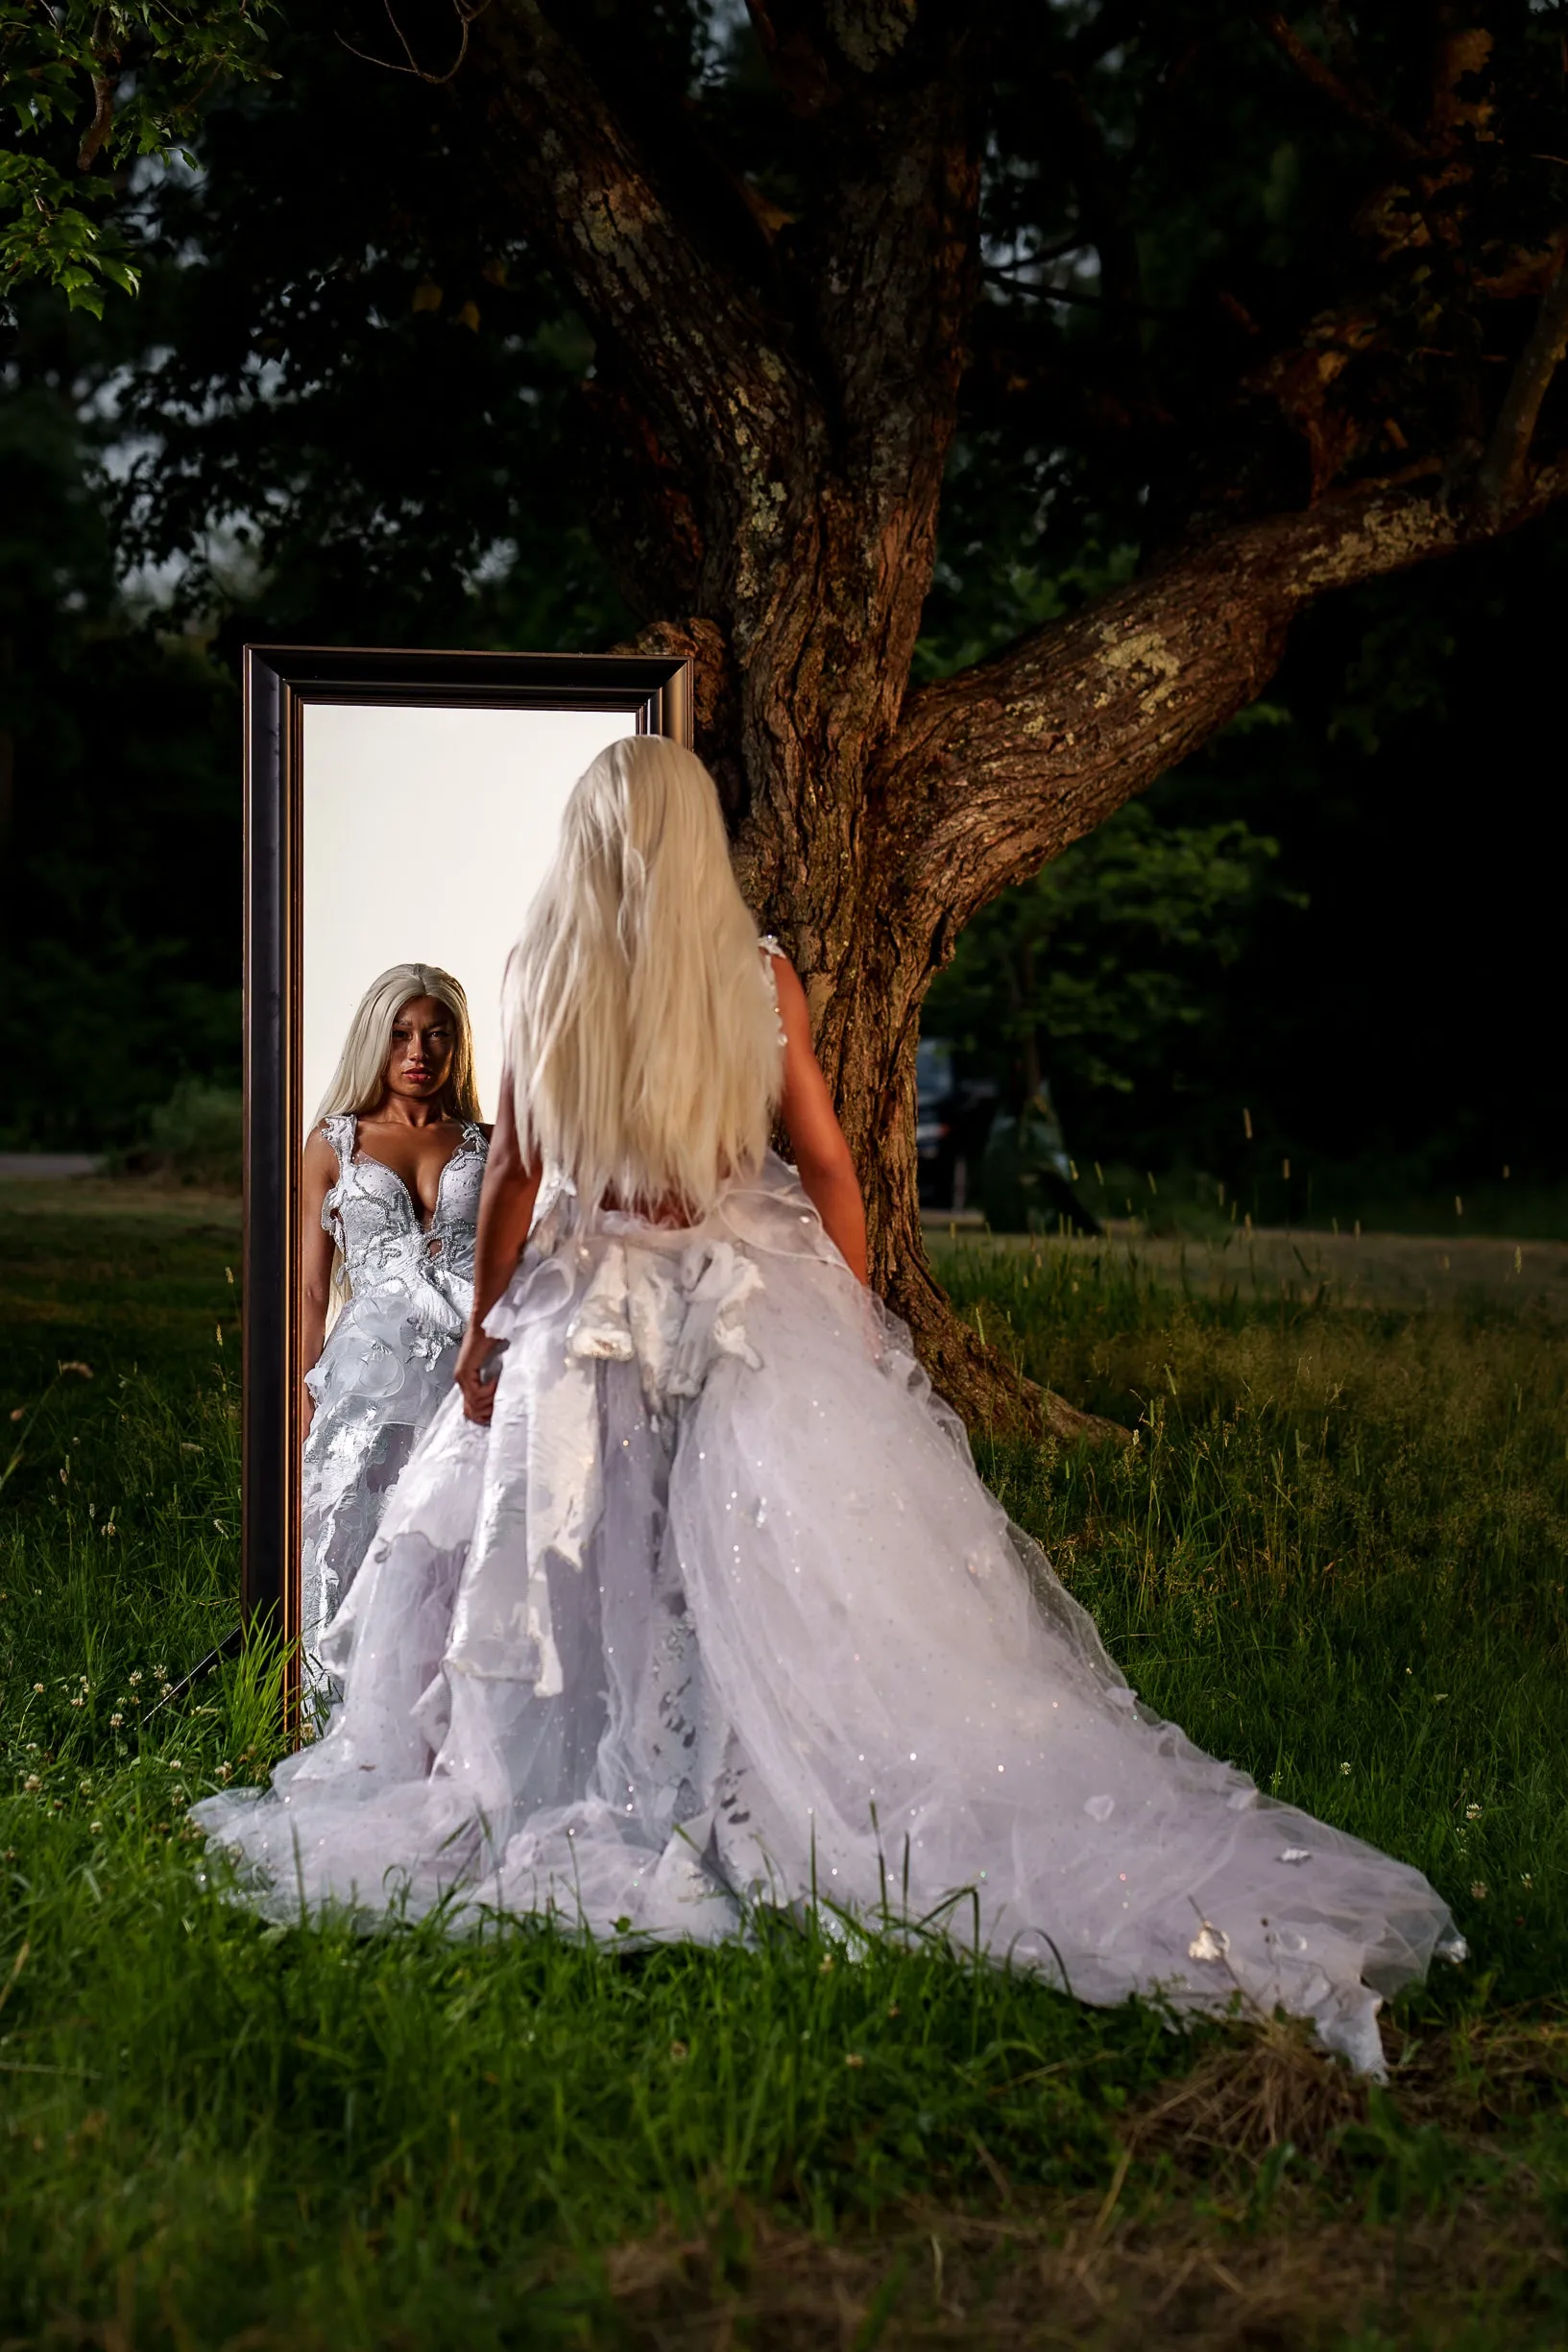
779, 373
1295, 287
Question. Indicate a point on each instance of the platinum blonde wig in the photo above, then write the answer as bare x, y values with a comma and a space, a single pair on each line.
360, 1077
641, 1028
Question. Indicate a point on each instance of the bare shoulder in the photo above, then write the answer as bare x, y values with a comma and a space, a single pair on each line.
319, 1162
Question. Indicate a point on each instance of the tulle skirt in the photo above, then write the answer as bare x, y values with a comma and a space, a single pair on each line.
718, 1613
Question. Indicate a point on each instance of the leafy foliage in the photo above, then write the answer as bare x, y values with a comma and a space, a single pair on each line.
1209, 285
142, 70
353, 404
1094, 968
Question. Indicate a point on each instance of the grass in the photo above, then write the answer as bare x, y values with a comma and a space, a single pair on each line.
1337, 1553
1183, 1202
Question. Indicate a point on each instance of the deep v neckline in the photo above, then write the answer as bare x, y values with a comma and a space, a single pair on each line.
369, 1159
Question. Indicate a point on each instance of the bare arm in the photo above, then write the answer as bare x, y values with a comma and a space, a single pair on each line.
811, 1123
506, 1211
318, 1173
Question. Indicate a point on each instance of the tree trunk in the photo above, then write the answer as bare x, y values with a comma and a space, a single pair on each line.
871, 873
769, 472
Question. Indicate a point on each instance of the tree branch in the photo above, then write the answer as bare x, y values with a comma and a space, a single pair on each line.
1501, 478
1327, 83
995, 771
104, 86
704, 356
464, 11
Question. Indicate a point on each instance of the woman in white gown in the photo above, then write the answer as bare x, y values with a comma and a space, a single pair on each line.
390, 1188
716, 1610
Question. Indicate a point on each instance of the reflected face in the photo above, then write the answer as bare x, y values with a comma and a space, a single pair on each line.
423, 1045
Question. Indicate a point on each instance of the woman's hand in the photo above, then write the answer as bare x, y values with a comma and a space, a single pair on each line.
506, 1211
478, 1395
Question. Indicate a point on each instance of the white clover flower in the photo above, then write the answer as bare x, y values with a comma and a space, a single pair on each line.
1345, 1769
32, 1783
115, 1722
95, 1828
1525, 1879
136, 1676
1478, 1890
39, 1687
1472, 1812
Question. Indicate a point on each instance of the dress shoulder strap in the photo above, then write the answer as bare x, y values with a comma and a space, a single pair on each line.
770, 948
338, 1128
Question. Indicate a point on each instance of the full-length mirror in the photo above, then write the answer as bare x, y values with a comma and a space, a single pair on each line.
401, 811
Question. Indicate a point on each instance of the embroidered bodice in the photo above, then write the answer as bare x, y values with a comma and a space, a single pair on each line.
374, 1220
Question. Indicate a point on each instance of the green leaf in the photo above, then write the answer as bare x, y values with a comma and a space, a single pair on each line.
165, 60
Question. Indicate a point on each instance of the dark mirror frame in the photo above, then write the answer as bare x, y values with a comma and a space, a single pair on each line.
279, 681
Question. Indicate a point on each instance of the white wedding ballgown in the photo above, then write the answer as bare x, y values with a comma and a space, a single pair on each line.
387, 1365
718, 1611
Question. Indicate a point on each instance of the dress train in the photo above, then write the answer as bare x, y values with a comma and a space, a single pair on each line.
718, 1611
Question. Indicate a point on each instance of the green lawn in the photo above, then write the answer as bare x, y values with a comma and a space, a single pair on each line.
1337, 1553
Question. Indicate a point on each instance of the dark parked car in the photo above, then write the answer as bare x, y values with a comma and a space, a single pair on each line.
953, 1120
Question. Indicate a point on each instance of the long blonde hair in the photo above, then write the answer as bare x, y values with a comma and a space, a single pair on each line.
358, 1080
642, 1033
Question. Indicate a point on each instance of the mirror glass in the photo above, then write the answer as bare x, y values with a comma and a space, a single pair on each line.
423, 833
426, 834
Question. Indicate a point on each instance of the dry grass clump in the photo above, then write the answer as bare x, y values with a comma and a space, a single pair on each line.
1268, 2088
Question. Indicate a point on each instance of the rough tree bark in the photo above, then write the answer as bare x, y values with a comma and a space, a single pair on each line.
772, 475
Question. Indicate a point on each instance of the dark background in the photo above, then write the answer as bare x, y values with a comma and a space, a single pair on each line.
329, 418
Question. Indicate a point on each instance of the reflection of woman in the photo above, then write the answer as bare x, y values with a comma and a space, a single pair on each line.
391, 1189
717, 1608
